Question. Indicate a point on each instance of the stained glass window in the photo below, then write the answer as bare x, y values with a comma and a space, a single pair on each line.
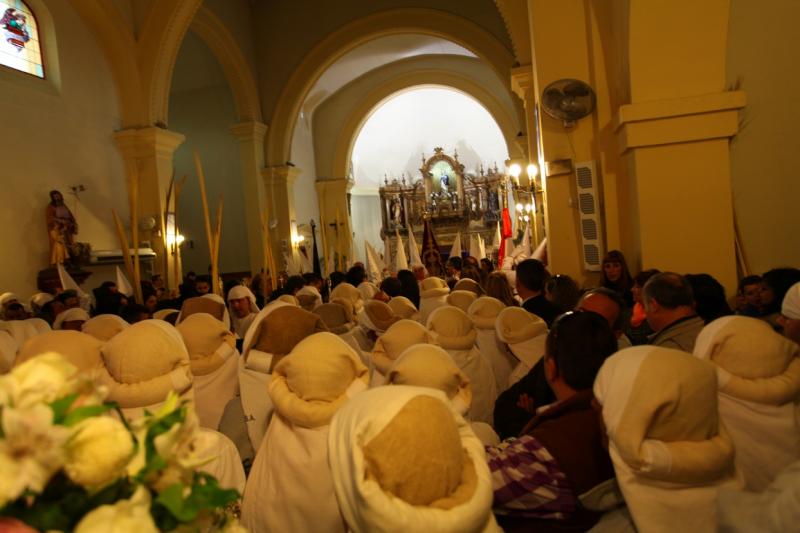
19, 38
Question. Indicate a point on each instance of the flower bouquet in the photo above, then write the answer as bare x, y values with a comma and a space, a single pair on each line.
68, 464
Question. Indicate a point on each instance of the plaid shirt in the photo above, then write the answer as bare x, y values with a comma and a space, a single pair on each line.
527, 481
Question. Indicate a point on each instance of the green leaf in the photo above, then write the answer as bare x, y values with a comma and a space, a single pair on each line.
172, 499
82, 413
61, 406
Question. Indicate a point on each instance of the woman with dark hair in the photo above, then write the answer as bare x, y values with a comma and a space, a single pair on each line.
709, 297
409, 286
617, 277
356, 275
497, 286
638, 329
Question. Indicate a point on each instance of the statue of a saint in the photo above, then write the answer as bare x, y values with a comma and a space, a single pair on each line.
444, 182
61, 228
397, 214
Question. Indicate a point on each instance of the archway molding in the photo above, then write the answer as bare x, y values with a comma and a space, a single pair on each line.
220, 41
391, 22
371, 101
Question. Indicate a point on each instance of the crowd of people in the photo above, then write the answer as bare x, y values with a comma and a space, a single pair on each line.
489, 399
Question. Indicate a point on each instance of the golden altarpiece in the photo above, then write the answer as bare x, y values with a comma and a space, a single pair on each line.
452, 200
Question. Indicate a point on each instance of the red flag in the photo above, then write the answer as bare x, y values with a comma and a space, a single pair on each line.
506, 233
430, 251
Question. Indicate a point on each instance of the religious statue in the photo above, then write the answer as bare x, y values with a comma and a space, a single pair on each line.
61, 228
397, 212
444, 181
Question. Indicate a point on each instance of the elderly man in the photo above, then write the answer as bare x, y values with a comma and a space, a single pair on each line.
243, 309
669, 304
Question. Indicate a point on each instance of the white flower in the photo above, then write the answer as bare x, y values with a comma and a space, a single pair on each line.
125, 516
42, 379
31, 451
98, 452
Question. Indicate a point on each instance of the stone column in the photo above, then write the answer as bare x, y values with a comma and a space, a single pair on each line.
279, 207
150, 151
250, 136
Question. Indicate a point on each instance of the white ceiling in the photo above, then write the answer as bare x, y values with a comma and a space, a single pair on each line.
375, 54
394, 137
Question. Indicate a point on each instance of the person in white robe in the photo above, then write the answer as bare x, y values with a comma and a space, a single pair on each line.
483, 312
103, 327
758, 374
141, 366
72, 318
433, 293
452, 329
348, 292
525, 335
22, 330
242, 309
368, 290
670, 450
290, 487
80, 349
8, 352
214, 362
404, 308
467, 284
426, 365
338, 317
274, 333
400, 335
212, 304
373, 320
403, 459
309, 297
461, 299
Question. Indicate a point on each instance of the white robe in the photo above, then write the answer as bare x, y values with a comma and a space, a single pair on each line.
290, 487
213, 391
484, 388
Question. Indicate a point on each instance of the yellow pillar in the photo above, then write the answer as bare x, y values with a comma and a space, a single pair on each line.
250, 136
279, 207
151, 150
560, 43
674, 137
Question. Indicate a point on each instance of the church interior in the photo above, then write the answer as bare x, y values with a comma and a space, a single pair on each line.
250, 143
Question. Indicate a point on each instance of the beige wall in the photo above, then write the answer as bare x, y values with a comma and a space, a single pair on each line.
763, 56
54, 137
201, 107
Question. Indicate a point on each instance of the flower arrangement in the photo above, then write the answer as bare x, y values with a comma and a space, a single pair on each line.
68, 464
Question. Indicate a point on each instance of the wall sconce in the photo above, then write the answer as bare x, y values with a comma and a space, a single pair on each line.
295, 237
514, 171
173, 236
533, 171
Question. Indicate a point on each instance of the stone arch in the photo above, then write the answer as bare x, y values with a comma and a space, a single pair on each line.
391, 22
216, 35
160, 40
428, 77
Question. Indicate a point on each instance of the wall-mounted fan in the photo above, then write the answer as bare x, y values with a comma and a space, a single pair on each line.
568, 100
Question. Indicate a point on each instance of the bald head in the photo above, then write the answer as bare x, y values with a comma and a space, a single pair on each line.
605, 303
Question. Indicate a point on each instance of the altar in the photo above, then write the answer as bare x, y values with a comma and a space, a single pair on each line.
445, 195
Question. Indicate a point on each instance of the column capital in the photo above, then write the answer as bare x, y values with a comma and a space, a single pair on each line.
142, 142
250, 131
687, 119
280, 175
522, 83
